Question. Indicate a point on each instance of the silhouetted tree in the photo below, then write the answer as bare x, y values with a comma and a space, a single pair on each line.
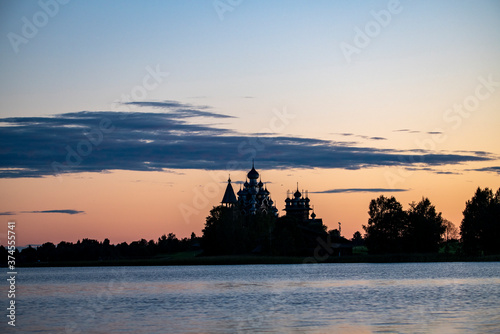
3, 256
259, 232
386, 225
357, 239
224, 232
88, 249
451, 231
334, 234
424, 228
288, 237
106, 251
480, 227
28, 254
123, 249
139, 248
46, 252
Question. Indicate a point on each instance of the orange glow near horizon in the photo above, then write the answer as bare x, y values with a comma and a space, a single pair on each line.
128, 206
202, 91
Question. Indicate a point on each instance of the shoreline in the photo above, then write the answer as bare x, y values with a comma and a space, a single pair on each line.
260, 259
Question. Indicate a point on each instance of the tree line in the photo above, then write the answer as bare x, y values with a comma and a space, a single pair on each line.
422, 229
390, 229
93, 250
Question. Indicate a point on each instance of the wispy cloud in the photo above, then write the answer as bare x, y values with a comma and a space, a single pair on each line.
494, 169
359, 190
433, 170
178, 109
69, 212
155, 141
418, 131
360, 136
448, 173
474, 152
407, 130
7, 213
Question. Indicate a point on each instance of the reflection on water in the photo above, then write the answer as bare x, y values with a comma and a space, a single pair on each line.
321, 298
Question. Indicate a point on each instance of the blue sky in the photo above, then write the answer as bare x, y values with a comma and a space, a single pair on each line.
262, 55
388, 109
90, 52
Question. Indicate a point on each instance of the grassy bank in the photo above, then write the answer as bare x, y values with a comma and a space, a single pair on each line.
193, 258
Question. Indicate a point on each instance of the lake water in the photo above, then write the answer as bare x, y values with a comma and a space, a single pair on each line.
309, 298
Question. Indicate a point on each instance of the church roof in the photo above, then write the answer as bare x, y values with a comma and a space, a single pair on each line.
229, 196
253, 174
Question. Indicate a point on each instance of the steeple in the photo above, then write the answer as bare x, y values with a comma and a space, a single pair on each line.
229, 198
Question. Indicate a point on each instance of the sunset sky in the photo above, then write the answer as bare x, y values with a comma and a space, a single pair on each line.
123, 119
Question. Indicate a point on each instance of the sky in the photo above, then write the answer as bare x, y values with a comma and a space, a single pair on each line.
124, 120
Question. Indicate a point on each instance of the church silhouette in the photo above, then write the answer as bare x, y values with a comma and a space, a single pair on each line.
253, 197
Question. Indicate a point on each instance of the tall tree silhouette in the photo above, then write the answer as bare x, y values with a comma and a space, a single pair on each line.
224, 232
451, 231
425, 227
480, 228
386, 225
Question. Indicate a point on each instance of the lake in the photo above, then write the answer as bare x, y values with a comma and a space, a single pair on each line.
308, 298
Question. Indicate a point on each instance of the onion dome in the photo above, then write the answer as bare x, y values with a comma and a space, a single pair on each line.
246, 184
297, 193
260, 184
253, 174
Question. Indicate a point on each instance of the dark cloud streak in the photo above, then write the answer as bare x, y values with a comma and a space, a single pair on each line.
69, 212
154, 141
7, 213
66, 211
494, 169
358, 190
